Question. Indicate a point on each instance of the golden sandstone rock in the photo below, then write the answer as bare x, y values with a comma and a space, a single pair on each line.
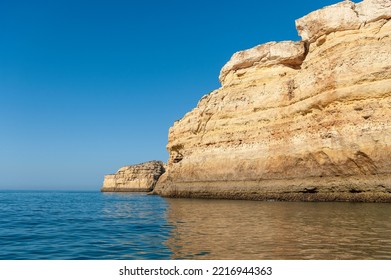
307, 120
134, 178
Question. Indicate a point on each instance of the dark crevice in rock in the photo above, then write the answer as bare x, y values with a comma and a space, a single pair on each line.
355, 191
309, 190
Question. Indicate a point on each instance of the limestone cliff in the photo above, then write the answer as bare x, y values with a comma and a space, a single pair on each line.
307, 120
134, 178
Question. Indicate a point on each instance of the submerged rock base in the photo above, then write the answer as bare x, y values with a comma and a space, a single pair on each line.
352, 188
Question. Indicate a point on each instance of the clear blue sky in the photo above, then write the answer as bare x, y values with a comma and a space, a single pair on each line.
89, 86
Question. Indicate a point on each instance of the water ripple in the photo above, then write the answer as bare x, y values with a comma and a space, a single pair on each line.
92, 225
82, 225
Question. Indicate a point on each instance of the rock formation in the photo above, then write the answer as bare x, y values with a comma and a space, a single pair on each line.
307, 120
134, 178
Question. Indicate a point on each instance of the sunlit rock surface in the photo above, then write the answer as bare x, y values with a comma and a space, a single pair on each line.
307, 120
134, 178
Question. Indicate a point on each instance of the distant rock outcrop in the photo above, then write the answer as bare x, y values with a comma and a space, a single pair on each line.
307, 120
134, 178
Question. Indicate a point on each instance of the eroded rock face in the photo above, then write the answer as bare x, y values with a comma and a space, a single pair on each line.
341, 17
287, 53
134, 178
304, 120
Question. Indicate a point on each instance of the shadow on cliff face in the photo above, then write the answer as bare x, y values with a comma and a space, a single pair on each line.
221, 229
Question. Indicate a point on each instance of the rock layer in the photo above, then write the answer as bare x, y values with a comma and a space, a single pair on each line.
134, 178
306, 120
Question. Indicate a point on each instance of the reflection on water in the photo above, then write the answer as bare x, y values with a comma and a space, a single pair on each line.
219, 229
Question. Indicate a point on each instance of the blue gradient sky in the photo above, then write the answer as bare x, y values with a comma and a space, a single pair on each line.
89, 86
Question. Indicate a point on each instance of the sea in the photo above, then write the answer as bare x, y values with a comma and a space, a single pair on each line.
76, 225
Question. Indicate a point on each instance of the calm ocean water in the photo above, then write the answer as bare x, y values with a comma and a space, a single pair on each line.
94, 225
